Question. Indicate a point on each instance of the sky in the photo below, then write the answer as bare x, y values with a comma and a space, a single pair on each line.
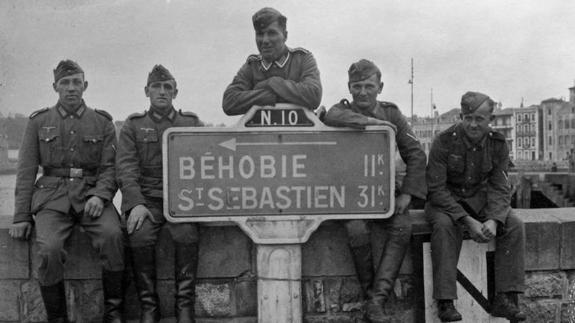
512, 50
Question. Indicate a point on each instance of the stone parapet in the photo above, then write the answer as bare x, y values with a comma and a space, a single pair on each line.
227, 284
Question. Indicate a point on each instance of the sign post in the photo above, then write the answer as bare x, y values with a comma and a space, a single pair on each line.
278, 174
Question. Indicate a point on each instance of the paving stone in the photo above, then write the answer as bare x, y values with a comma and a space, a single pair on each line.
543, 239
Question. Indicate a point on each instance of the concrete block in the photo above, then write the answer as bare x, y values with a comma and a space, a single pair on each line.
14, 257
566, 217
328, 243
225, 252
314, 298
9, 297
568, 312
31, 305
85, 300
246, 297
214, 300
541, 311
545, 284
543, 239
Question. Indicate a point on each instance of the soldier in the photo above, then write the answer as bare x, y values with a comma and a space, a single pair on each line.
469, 191
279, 74
140, 178
75, 146
365, 85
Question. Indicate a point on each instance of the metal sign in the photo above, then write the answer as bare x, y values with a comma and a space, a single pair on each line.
294, 172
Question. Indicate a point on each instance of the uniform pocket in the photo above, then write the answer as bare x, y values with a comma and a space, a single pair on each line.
455, 164
92, 148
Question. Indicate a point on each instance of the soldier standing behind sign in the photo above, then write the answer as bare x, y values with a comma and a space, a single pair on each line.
469, 190
75, 145
278, 75
365, 85
140, 174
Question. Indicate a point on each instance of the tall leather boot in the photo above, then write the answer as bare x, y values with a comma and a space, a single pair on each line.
363, 261
113, 283
387, 271
145, 276
54, 297
185, 275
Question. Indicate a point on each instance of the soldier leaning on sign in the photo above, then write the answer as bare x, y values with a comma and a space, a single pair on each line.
75, 145
139, 168
365, 85
469, 191
279, 74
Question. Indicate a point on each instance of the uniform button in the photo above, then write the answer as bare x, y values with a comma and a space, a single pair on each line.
71, 117
72, 149
72, 132
71, 179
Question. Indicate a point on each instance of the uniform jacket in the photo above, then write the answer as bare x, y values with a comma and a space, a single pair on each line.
346, 114
299, 84
459, 172
54, 138
139, 159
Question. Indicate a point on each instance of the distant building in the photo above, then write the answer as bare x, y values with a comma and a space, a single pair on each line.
427, 128
527, 133
504, 124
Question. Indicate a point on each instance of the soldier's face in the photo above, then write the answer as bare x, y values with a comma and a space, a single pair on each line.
271, 41
365, 92
476, 124
162, 93
70, 89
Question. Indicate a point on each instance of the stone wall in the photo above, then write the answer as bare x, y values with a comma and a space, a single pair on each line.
227, 286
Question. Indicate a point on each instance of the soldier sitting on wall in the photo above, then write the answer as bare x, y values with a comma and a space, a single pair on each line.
365, 85
469, 191
76, 147
279, 74
140, 174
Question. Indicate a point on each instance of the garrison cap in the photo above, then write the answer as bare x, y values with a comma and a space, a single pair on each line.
66, 68
159, 73
470, 101
361, 70
266, 16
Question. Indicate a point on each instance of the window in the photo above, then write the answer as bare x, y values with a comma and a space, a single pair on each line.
526, 117
549, 126
519, 141
533, 142
566, 124
533, 117
519, 117
560, 140
550, 141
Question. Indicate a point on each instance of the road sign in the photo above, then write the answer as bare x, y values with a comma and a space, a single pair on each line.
287, 172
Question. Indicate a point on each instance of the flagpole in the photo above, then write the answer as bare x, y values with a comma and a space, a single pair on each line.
431, 102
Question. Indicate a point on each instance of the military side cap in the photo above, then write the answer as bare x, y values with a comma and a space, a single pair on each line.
471, 101
361, 70
66, 68
266, 16
159, 73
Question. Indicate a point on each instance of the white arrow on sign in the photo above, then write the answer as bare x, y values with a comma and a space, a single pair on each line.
232, 143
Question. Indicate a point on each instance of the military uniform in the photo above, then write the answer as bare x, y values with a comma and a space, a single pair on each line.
378, 285
140, 172
299, 84
139, 164
466, 179
76, 150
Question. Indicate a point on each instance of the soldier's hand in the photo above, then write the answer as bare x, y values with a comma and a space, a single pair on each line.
21, 230
137, 217
402, 203
489, 229
94, 207
374, 121
475, 229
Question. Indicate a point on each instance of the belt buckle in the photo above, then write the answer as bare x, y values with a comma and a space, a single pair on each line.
76, 172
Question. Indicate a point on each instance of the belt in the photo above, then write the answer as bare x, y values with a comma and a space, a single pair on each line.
69, 172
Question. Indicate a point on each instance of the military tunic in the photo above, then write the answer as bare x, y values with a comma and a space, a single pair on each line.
76, 151
295, 81
466, 179
139, 164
